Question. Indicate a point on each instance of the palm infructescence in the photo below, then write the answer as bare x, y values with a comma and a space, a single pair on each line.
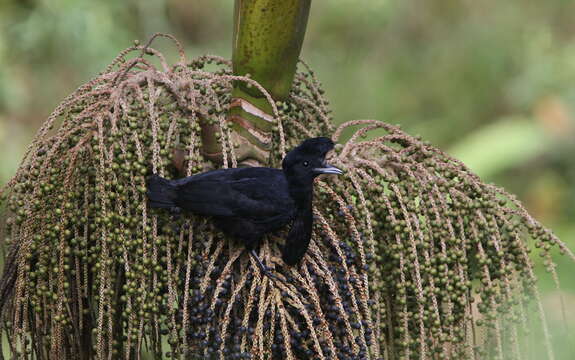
412, 255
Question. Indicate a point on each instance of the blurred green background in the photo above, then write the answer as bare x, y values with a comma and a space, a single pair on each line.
491, 82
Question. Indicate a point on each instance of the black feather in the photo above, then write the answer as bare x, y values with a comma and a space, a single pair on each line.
298, 238
247, 203
161, 192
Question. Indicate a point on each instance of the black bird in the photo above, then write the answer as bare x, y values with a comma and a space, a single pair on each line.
247, 203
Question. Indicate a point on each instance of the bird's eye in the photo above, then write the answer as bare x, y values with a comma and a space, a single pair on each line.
306, 163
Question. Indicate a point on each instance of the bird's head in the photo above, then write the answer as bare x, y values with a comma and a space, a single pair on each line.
307, 160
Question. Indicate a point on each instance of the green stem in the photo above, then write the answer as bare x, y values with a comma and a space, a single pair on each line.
268, 35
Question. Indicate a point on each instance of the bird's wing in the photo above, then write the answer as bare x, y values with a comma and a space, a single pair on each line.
253, 193
298, 238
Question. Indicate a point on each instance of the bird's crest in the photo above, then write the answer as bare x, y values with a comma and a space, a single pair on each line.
315, 146
318, 146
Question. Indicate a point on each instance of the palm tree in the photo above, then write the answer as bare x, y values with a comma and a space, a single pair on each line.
412, 255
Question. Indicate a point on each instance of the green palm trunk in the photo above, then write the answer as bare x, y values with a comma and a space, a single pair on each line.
268, 35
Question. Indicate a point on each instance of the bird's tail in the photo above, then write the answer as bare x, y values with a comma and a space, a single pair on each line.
161, 192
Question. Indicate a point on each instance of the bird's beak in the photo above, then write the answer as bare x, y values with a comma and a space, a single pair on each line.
328, 169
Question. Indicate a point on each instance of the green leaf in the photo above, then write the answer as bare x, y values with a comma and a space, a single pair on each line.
502, 145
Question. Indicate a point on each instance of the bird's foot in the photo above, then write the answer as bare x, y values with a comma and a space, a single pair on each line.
264, 269
175, 228
175, 211
266, 272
